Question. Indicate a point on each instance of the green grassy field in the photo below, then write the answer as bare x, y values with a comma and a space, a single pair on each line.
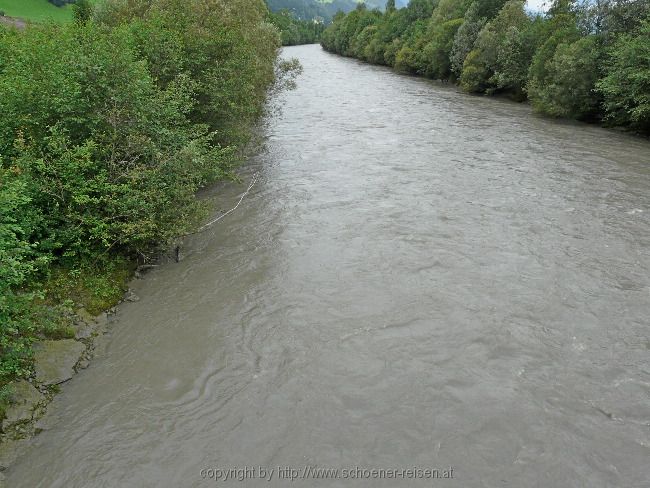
36, 10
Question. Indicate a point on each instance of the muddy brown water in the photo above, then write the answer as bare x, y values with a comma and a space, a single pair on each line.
418, 279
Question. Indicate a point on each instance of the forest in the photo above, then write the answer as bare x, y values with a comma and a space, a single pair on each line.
294, 31
109, 126
580, 60
322, 10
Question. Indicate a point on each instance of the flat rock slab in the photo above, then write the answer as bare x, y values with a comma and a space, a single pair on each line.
54, 361
86, 325
10, 450
26, 399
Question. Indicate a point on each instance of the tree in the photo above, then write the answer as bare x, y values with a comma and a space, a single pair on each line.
108, 129
82, 11
436, 63
465, 38
500, 58
572, 73
626, 86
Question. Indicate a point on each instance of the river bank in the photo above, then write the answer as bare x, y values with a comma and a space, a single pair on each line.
582, 62
56, 362
104, 147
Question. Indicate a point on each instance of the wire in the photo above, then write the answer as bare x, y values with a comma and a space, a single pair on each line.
241, 198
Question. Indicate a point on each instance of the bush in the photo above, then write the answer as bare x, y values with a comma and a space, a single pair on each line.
436, 53
465, 38
97, 140
626, 86
499, 60
475, 73
109, 126
572, 73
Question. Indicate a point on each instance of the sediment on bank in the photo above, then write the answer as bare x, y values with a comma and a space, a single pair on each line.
103, 149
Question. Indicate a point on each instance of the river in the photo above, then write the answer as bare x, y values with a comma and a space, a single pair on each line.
418, 279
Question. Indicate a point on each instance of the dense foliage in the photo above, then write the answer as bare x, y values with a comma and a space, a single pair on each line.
108, 127
294, 31
588, 61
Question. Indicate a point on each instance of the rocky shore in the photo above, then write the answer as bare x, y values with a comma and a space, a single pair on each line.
55, 362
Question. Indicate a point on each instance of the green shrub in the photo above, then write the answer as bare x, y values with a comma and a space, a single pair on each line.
465, 37
109, 126
436, 53
626, 86
475, 73
572, 74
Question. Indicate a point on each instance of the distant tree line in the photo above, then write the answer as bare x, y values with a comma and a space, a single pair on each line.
582, 60
294, 31
316, 9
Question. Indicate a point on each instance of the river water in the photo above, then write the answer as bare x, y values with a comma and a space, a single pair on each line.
418, 279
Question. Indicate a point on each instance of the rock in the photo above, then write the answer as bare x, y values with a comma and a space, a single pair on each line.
83, 364
26, 399
54, 361
91, 325
84, 324
85, 316
10, 450
83, 332
129, 296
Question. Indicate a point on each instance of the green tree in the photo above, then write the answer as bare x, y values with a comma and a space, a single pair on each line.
436, 53
465, 38
82, 11
109, 127
499, 59
626, 85
572, 75
559, 28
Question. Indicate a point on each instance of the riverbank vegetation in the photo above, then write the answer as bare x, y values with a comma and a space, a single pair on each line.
108, 126
581, 60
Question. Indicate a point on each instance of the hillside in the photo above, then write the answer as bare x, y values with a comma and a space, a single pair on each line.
36, 10
325, 9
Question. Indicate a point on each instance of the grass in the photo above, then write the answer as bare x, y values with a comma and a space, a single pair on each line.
36, 10
95, 287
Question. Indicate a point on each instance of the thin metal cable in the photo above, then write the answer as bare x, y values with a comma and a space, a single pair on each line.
241, 198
